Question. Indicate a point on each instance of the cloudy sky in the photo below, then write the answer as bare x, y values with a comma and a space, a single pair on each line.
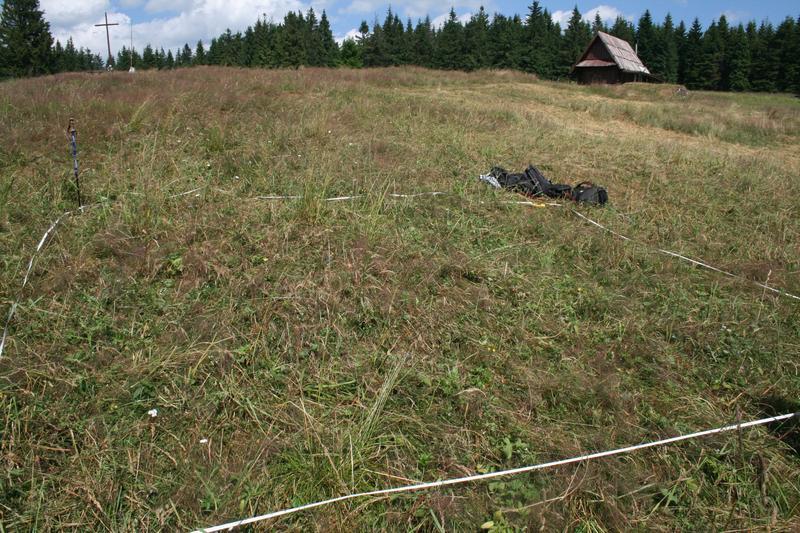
170, 23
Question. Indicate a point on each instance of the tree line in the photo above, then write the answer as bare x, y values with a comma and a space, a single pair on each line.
742, 57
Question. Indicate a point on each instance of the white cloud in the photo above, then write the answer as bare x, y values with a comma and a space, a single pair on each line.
60, 13
175, 6
194, 20
607, 13
439, 21
735, 16
411, 8
349, 35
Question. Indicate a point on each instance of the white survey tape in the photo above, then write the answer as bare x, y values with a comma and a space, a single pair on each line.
490, 475
688, 259
344, 198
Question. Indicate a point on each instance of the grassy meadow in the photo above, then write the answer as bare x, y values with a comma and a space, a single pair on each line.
301, 349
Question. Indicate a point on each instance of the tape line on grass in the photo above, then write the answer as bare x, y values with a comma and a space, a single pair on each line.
688, 259
55, 224
51, 230
501, 473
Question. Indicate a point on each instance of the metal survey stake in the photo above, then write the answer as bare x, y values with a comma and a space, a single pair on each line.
72, 133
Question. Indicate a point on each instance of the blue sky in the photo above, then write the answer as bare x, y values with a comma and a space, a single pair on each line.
170, 23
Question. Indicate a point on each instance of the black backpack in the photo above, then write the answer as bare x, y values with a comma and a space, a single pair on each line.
545, 186
589, 193
533, 183
530, 183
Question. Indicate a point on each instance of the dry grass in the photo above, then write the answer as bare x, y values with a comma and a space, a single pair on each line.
323, 348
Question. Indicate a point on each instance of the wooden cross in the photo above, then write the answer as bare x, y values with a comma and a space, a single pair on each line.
108, 39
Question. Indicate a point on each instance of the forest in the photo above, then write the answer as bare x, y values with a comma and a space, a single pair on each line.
722, 56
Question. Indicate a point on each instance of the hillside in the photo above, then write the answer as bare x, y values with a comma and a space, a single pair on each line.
300, 349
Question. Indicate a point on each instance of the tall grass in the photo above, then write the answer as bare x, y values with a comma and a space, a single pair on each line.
300, 349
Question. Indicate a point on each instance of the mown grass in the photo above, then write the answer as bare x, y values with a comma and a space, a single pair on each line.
329, 347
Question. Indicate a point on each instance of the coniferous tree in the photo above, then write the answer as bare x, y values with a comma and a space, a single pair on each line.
738, 60
541, 53
422, 51
375, 54
669, 50
449, 49
476, 36
350, 54
597, 24
186, 56
407, 55
714, 55
25, 39
148, 57
648, 45
788, 52
694, 57
680, 43
577, 36
199, 54
623, 29
330, 50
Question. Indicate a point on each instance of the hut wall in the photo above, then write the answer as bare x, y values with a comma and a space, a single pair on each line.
599, 75
598, 51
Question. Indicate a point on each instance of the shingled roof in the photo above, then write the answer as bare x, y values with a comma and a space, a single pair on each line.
620, 51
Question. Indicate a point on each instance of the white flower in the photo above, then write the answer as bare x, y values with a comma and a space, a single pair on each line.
153, 413
203, 441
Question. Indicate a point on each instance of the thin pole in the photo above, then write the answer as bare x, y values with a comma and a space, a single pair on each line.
73, 137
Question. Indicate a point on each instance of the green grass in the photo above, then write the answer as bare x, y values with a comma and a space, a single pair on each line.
330, 347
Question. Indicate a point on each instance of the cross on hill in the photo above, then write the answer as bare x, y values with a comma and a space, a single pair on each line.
108, 39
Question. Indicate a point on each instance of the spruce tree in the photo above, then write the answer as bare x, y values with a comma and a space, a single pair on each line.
623, 29
695, 58
648, 45
350, 54
449, 44
788, 52
738, 60
330, 50
576, 38
669, 50
597, 24
199, 54
476, 36
25, 39
540, 55
148, 57
680, 42
422, 53
186, 56
714, 55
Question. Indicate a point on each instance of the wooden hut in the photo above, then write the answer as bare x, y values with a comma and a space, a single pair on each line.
609, 59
